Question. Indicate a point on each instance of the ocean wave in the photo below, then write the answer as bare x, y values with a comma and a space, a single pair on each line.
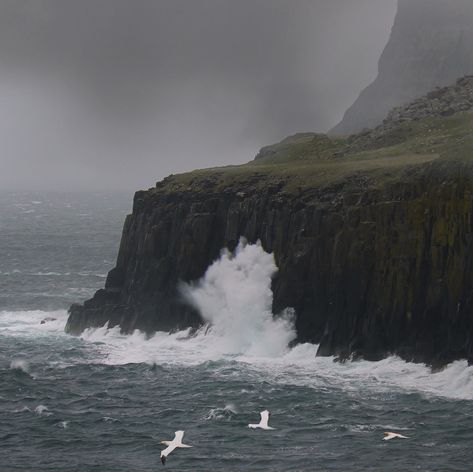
225, 413
28, 323
42, 410
299, 366
55, 273
50, 273
14, 271
21, 365
235, 298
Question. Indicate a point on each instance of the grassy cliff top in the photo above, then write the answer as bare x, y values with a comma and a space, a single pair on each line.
296, 164
437, 127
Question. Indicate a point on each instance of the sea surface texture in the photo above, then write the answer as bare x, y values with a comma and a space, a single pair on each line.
103, 401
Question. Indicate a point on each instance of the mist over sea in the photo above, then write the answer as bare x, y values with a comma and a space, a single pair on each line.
103, 401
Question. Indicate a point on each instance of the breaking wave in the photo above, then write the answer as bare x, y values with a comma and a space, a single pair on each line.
235, 298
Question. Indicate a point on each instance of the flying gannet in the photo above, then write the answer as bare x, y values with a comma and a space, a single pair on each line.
171, 445
390, 435
263, 424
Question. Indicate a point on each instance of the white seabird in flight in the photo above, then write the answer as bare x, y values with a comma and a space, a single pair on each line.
390, 435
171, 445
263, 424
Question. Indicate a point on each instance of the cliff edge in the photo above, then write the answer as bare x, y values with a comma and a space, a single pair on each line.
372, 234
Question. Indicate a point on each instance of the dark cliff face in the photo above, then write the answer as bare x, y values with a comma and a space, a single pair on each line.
369, 271
430, 46
373, 237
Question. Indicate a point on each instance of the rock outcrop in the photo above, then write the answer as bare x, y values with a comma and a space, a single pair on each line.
430, 46
374, 246
441, 102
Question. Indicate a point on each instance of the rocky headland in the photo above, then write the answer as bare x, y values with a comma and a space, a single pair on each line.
372, 234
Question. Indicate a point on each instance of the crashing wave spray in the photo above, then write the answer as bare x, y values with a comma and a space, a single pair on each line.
234, 297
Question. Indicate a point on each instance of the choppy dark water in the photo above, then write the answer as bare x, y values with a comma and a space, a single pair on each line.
102, 402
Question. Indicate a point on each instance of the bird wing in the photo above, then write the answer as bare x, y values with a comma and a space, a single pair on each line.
264, 418
178, 435
390, 435
168, 450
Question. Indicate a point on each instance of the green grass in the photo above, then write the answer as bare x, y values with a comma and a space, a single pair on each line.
309, 160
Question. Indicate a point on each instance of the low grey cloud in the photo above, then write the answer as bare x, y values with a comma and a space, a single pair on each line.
116, 94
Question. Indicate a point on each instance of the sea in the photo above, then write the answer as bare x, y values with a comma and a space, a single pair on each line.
103, 401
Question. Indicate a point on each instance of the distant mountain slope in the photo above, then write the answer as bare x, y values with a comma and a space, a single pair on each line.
430, 46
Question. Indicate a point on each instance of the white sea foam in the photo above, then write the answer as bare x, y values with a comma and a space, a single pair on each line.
20, 364
109, 419
22, 410
235, 298
42, 410
28, 323
225, 413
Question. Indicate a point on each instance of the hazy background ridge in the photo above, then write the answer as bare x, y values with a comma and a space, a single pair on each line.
429, 46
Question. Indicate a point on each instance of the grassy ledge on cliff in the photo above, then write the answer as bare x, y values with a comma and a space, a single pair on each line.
438, 125
372, 234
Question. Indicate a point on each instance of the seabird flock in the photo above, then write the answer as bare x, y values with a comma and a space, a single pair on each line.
263, 424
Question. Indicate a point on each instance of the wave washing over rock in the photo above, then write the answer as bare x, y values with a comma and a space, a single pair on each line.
128, 391
295, 366
234, 297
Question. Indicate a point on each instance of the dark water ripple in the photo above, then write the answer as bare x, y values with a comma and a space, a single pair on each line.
66, 407
117, 414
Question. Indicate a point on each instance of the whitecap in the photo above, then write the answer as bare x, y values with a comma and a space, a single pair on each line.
42, 410
109, 419
235, 298
21, 365
225, 413
22, 410
28, 323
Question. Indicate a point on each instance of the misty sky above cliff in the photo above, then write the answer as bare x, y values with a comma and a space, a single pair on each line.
116, 94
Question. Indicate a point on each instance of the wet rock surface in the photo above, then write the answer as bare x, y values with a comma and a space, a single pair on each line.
370, 270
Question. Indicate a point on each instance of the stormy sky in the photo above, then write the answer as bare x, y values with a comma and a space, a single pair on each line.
116, 94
